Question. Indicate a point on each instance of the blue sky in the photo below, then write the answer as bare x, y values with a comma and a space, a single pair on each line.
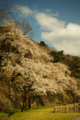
57, 22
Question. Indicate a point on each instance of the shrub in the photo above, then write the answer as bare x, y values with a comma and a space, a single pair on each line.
10, 112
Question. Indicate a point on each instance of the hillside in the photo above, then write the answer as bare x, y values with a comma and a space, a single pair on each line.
25, 58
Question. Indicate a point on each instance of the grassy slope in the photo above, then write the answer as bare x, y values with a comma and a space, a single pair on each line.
42, 114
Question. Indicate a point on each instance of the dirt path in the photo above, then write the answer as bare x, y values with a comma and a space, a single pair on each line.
76, 118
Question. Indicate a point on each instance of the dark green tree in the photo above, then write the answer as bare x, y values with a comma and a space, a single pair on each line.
42, 43
57, 56
74, 66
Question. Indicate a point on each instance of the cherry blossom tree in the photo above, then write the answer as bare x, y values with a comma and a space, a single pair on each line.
20, 94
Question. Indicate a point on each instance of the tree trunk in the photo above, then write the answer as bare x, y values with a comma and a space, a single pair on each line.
29, 105
22, 109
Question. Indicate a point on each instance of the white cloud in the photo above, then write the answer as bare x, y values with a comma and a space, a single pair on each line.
48, 22
72, 48
25, 11
48, 10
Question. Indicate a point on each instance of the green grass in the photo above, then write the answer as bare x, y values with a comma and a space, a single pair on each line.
2, 114
42, 114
